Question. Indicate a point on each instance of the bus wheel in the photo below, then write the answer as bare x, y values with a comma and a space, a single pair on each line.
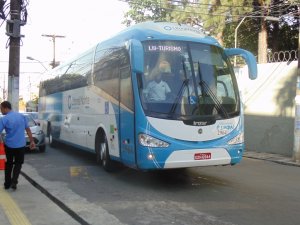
104, 155
52, 142
97, 149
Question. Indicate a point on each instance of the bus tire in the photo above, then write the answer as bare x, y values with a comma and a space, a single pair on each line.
52, 142
102, 153
48, 129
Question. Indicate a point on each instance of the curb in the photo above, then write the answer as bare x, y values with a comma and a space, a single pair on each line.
280, 159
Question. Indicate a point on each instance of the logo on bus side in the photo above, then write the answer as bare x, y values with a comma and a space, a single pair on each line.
183, 28
76, 102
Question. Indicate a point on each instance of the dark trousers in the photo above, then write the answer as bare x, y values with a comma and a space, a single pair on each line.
13, 165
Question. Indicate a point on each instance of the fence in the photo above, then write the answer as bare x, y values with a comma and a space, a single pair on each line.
283, 56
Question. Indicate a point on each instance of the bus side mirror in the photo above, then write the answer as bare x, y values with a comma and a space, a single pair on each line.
136, 53
248, 57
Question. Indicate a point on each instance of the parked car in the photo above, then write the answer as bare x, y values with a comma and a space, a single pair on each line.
37, 134
35, 116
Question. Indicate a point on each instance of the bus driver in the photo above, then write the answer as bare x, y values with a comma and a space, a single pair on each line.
157, 89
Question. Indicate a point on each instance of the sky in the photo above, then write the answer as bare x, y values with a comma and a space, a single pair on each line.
83, 23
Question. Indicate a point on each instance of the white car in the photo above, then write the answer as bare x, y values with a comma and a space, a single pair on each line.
35, 116
37, 134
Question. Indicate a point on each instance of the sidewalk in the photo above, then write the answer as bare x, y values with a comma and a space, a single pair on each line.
271, 157
29, 206
38, 201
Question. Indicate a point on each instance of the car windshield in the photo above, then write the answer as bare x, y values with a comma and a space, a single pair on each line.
34, 115
31, 122
187, 80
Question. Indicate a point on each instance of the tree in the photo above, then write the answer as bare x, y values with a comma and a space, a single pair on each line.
247, 35
217, 14
22, 105
287, 29
211, 14
143, 10
32, 105
186, 12
262, 7
221, 17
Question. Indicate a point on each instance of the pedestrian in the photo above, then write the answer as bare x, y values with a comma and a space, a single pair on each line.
15, 124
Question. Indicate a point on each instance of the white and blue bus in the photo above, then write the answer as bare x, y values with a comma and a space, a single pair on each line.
102, 101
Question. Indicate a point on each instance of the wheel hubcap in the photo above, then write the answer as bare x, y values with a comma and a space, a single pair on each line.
50, 139
103, 152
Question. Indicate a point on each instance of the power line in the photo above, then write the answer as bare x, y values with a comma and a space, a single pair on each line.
228, 7
190, 3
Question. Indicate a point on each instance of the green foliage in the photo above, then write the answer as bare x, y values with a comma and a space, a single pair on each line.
221, 17
35, 99
144, 10
283, 36
186, 14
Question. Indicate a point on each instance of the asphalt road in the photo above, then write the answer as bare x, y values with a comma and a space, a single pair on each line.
253, 192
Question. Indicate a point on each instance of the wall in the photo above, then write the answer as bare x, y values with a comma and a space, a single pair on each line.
269, 107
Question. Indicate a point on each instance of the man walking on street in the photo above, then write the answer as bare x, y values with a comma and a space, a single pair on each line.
14, 124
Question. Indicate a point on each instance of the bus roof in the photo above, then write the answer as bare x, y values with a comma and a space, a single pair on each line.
166, 28
152, 30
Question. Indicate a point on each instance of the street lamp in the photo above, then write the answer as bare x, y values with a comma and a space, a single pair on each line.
33, 59
269, 18
53, 36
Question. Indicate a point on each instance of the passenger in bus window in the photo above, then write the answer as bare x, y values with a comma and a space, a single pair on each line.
157, 89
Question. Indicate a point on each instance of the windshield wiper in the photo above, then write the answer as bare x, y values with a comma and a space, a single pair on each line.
205, 89
185, 82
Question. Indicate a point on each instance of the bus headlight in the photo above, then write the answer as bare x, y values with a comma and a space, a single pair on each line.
239, 139
149, 141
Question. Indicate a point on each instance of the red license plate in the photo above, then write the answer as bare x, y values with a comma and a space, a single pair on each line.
202, 156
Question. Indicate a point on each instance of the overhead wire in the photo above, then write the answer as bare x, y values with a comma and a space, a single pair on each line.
192, 3
259, 11
6, 11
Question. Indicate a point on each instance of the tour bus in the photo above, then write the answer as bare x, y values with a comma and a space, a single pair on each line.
157, 95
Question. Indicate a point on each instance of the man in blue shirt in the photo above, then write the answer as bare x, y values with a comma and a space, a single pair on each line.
14, 124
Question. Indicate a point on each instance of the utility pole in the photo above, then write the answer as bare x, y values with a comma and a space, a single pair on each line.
299, 43
13, 31
4, 85
296, 150
53, 36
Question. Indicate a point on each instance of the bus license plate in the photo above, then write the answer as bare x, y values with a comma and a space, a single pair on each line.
202, 156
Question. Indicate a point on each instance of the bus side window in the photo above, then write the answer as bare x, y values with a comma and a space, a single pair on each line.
126, 95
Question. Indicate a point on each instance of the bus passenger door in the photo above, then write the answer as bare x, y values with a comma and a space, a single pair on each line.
126, 122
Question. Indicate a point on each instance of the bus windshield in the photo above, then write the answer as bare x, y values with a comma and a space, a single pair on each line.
187, 80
